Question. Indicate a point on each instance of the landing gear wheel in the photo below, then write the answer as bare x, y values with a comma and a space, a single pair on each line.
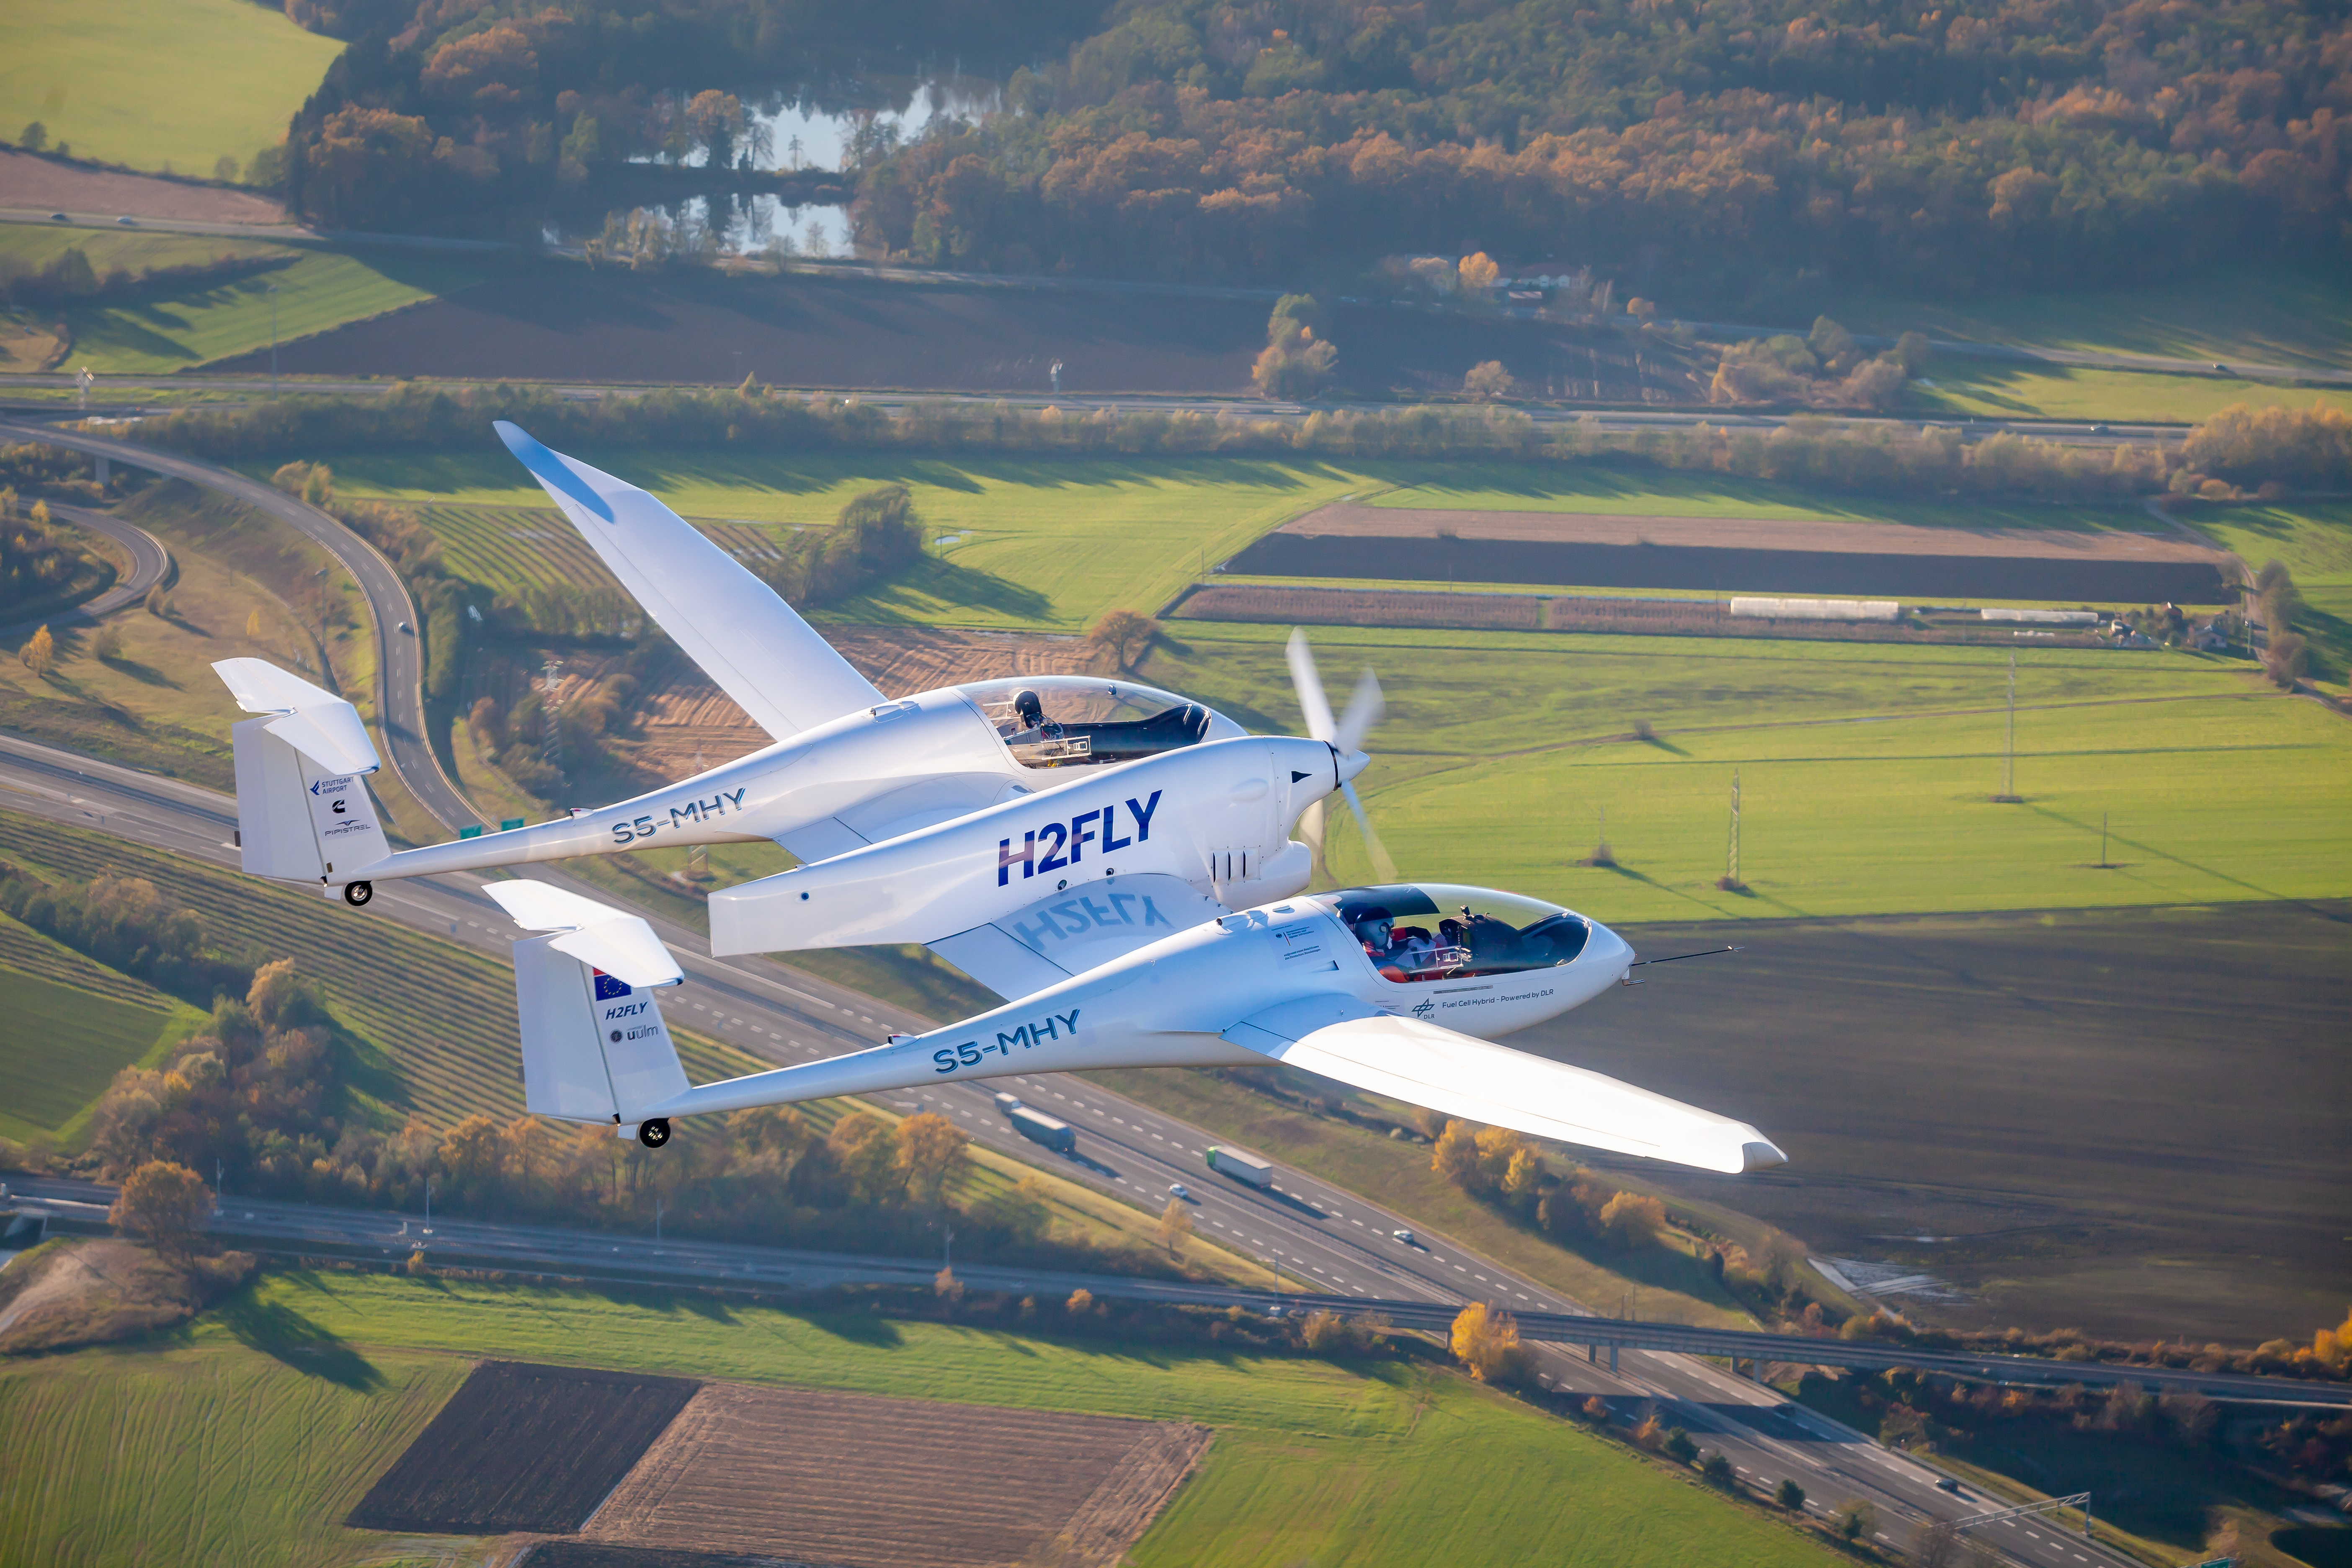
655, 1133
357, 894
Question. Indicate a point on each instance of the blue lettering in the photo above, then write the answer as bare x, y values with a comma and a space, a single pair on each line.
1082, 833
1019, 1036
714, 807
1045, 1031
1143, 814
1069, 1020
1006, 859
967, 1052
1052, 860
737, 798
621, 833
1153, 917
645, 827
1103, 917
691, 813
1112, 840
1045, 928
946, 1058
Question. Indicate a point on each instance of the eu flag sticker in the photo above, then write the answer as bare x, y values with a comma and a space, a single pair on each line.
607, 987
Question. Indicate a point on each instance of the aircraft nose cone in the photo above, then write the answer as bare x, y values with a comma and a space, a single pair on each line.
1353, 763
1607, 949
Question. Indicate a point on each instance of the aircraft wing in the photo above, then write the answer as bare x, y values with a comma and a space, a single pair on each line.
746, 639
1422, 1064
1065, 934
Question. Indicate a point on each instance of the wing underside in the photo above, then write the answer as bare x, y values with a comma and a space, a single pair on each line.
1422, 1064
1068, 933
747, 639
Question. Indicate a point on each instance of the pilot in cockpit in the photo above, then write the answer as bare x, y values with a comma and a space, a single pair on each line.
1374, 927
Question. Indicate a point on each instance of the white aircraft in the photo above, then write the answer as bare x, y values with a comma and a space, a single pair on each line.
1113, 861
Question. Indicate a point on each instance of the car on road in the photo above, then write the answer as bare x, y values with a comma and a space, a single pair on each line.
1406, 1237
2099, 430
127, 222
404, 627
59, 218
1179, 1190
1946, 1484
2219, 367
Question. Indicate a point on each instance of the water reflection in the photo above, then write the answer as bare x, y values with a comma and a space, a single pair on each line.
814, 125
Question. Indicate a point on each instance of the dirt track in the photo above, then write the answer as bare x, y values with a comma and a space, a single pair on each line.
38, 183
1356, 521
793, 1473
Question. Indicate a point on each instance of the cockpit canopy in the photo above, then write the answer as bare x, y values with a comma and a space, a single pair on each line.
1077, 721
1442, 930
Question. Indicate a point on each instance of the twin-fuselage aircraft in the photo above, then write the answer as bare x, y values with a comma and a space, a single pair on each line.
1114, 860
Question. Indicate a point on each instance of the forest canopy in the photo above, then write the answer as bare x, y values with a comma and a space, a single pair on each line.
1729, 148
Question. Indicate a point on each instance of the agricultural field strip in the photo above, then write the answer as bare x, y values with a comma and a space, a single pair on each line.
29, 952
1827, 536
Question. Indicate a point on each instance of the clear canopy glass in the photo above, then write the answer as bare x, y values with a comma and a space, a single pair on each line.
1076, 721
1443, 930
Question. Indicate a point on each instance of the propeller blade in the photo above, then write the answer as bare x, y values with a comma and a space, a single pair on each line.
1382, 867
1308, 682
1366, 707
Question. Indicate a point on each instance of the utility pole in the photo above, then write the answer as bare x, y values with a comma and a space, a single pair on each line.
271, 289
658, 1216
1731, 882
428, 1205
2007, 795
550, 733
2102, 841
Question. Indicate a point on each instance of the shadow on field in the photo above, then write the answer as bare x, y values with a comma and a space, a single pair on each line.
857, 1329
280, 1333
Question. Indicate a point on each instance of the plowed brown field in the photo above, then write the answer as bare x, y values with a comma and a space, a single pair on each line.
813, 1476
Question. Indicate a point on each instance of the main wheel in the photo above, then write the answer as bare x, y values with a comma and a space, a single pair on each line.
357, 894
652, 1134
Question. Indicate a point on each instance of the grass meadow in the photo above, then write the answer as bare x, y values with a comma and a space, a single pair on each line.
2267, 316
248, 1435
2315, 540
158, 85
1998, 389
1866, 771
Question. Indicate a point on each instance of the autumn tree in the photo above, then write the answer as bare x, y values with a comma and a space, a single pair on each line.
865, 1150
1789, 1495
1456, 1158
1856, 1520
929, 1148
1298, 359
39, 653
163, 1204
1489, 381
1175, 1225
1081, 1302
1124, 635
1631, 1220
1486, 1341
1478, 272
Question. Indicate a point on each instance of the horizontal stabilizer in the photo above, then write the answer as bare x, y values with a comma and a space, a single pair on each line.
1422, 1064
750, 643
613, 941
314, 722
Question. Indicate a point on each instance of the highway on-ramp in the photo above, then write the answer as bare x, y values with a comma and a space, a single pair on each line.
150, 562
1333, 1241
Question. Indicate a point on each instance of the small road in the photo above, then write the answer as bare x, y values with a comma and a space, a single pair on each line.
150, 563
399, 655
1333, 1242
285, 233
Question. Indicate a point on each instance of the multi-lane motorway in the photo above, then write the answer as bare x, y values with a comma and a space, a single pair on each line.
1331, 1240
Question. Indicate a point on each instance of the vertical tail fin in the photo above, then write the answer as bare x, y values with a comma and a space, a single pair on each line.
302, 813
595, 1047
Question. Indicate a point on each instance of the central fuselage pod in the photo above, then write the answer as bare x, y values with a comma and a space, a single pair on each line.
863, 777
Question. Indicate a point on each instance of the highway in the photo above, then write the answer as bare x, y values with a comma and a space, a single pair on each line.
1331, 1241
150, 561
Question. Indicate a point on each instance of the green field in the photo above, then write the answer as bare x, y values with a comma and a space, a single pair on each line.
1045, 545
1866, 770
2266, 316
1996, 389
157, 84
178, 328
248, 1437
65, 1043
2315, 540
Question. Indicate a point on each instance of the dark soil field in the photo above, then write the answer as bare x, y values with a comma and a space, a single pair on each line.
565, 323
1733, 571
793, 1473
2131, 1123
522, 1447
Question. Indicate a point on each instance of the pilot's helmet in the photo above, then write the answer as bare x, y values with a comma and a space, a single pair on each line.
1371, 924
1028, 709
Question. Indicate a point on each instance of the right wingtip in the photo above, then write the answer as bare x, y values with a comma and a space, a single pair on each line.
555, 472
1759, 1153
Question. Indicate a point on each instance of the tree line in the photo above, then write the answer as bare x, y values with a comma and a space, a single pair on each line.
1720, 147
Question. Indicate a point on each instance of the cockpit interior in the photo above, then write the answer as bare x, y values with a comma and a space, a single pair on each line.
1075, 721
1415, 933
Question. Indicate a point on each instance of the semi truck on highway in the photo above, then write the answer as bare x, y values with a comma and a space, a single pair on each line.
1037, 1127
1241, 1167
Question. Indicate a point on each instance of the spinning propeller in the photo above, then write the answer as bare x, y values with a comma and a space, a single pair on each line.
1365, 708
